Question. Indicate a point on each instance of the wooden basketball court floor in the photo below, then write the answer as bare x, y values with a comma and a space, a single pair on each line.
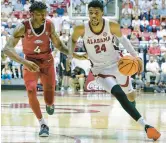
81, 118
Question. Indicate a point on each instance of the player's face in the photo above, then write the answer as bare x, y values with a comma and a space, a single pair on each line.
95, 15
39, 16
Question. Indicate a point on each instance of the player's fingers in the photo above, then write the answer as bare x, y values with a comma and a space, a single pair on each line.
30, 69
35, 67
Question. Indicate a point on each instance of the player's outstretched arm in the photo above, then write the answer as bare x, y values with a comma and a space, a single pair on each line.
12, 42
11, 53
115, 30
57, 42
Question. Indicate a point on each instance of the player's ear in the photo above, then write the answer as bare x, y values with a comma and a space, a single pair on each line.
102, 13
31, 14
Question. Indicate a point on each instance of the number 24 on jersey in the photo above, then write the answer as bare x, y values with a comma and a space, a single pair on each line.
100, 48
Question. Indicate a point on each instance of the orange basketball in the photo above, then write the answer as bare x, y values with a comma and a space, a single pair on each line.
128, 65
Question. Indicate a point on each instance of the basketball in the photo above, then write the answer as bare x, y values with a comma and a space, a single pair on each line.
128, 65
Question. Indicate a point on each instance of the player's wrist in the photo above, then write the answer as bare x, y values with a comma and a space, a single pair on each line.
23, 61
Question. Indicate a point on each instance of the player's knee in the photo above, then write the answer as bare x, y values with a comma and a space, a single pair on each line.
117, 90
119, 94
31, 87
131, 96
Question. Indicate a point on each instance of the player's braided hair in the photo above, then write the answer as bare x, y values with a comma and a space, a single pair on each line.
37, 6
96, 4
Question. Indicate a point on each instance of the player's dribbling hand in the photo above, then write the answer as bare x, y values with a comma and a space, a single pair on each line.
31, 66
140, 65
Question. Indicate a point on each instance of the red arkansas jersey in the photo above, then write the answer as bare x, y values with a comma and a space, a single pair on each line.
35, 45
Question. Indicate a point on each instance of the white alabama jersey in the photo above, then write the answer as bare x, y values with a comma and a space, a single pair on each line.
100, 46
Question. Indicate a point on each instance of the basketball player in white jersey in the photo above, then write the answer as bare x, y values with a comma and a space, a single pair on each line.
98, 35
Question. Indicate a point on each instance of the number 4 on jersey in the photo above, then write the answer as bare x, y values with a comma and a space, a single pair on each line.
99, 49
37, 50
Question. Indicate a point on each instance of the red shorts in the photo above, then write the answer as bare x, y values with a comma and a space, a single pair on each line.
46, 74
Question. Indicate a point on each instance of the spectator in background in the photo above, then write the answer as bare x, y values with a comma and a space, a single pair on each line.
138, 81
144, 43
154, 11
163, 74
6, 9
4, 18
21, 18
27, 5
125, 22
154, 49
78, 76
57, 21
154, 24
66, 24
14, 19
11, 6
80, 45
152, 68
153, 40
160, 33
9, 28
129, 3
60, 11
136, 22
64, 37
136, 12
145, 8
162, 44
18, 6
134, 41
137, 32
162, 12
6, 74
144, 24
126, 11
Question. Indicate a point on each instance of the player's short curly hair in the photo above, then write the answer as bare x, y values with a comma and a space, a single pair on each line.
37, 6
95, 4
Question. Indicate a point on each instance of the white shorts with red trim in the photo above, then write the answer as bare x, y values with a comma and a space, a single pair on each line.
110, 76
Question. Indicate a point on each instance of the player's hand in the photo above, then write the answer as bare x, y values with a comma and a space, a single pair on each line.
31, 66
140, 65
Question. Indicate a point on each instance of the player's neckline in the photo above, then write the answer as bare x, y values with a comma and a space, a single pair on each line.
98, 33
34, 30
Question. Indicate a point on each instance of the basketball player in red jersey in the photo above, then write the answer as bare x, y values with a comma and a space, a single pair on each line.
36, 34
99, 35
